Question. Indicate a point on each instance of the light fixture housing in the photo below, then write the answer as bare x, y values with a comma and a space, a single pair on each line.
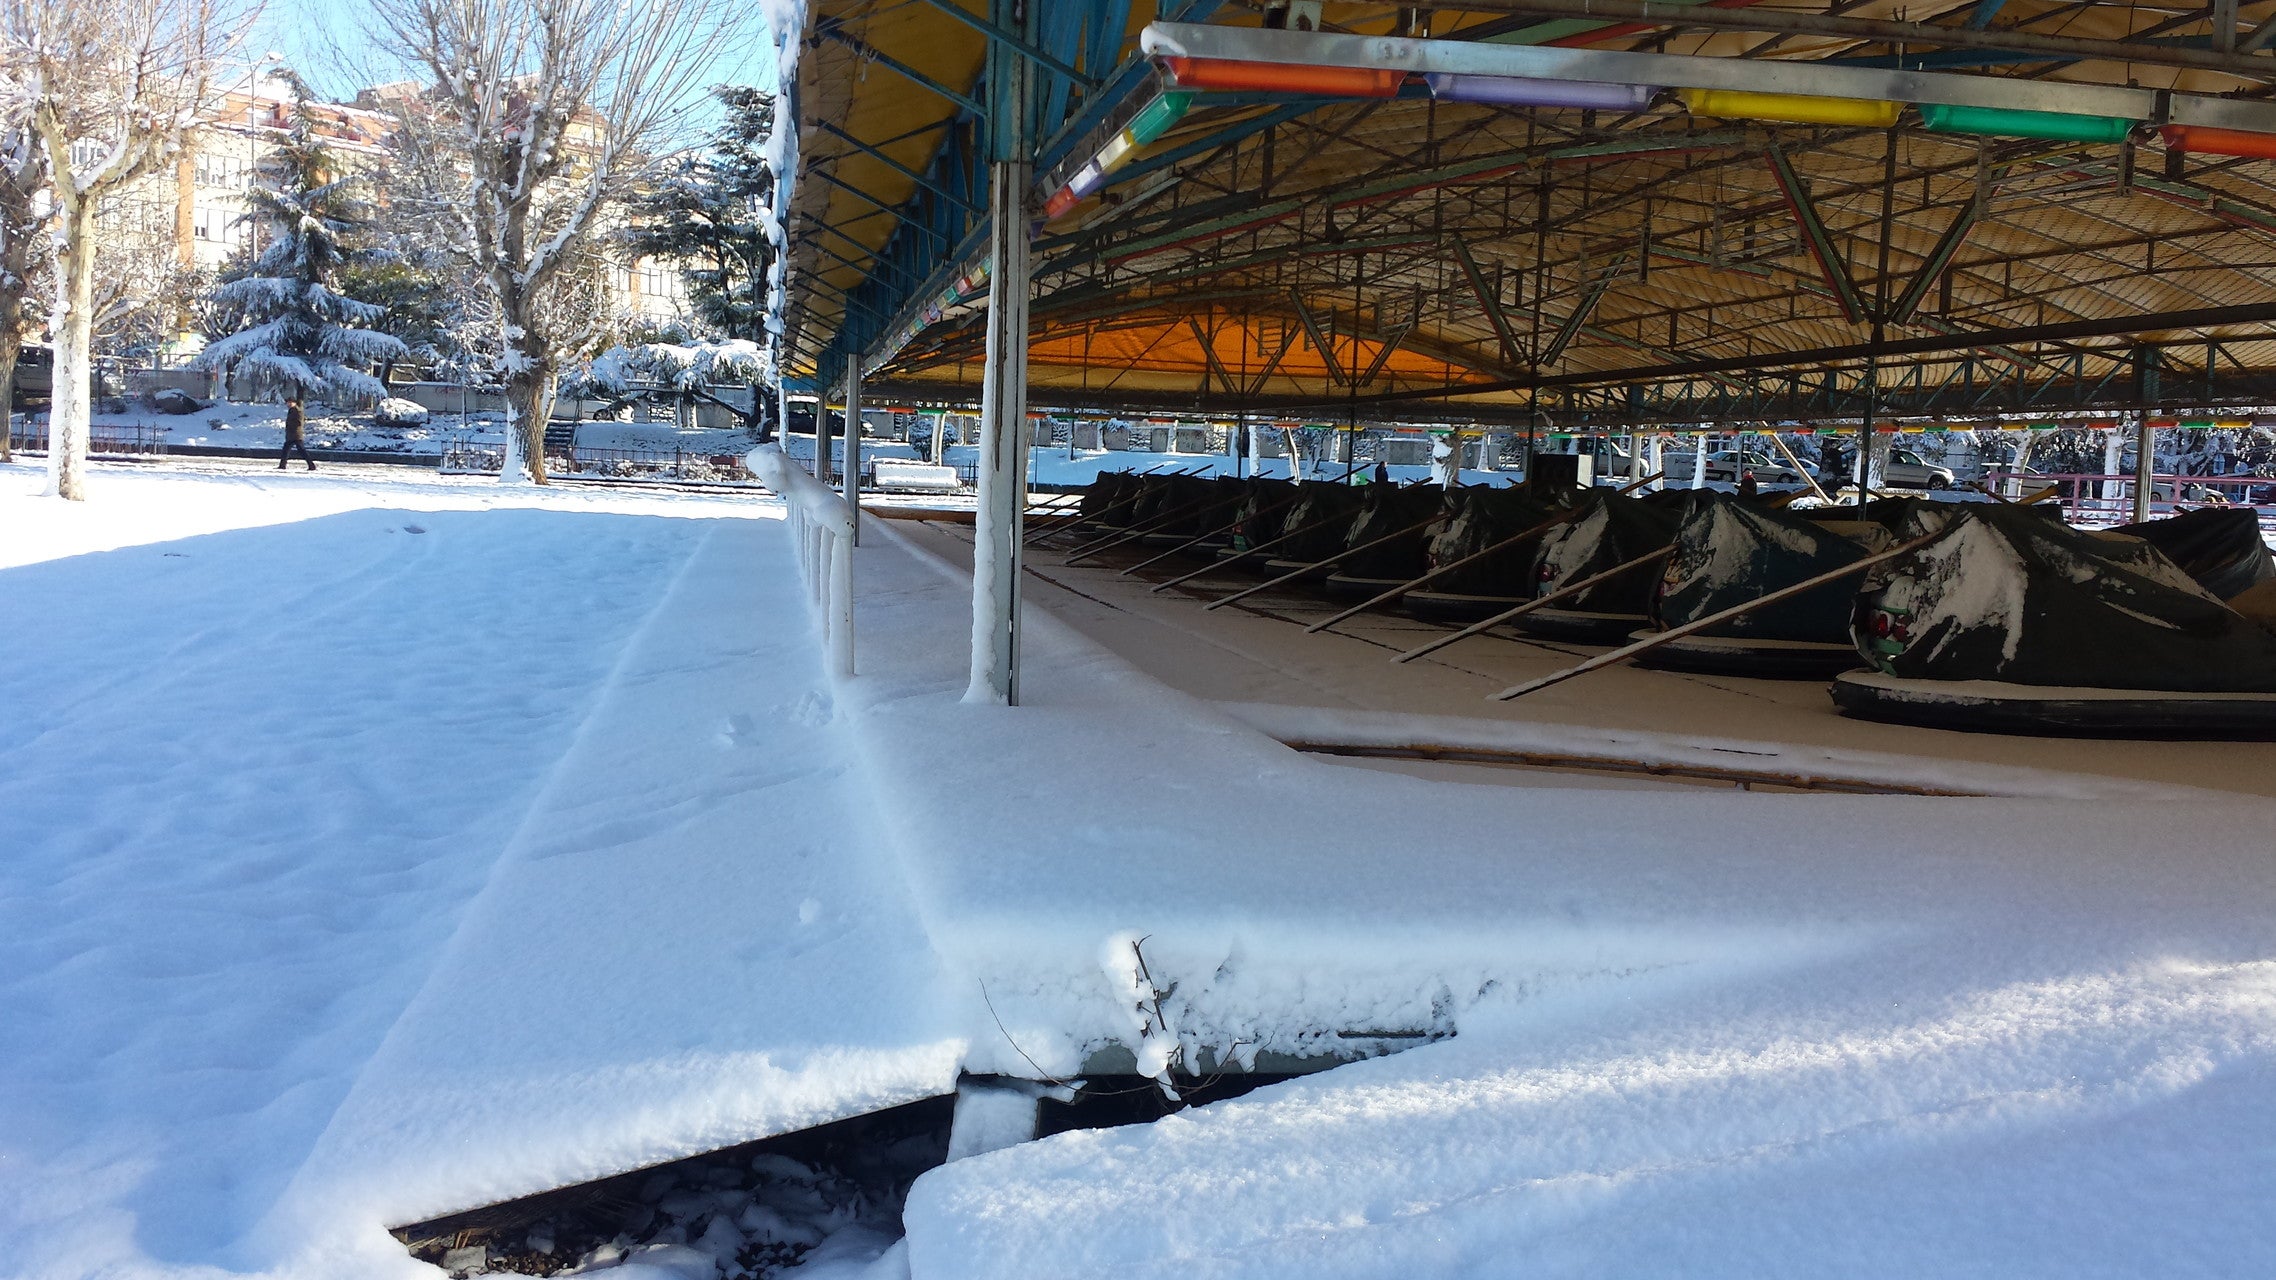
1159, 115
1792, 108
2055, 126
1513, 91
2220, 142
1152, 121
1233, 76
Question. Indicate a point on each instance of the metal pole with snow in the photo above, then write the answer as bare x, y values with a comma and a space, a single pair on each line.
1003, 388
822, 429
2145, 465
851, 476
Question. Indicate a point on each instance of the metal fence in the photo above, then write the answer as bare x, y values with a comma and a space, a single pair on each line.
2100, 500
110, 441
465, 455
823, 524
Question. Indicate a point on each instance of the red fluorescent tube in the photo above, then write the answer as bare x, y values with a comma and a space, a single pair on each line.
1227, 75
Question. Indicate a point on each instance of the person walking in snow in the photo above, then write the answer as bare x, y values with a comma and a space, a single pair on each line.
296, 436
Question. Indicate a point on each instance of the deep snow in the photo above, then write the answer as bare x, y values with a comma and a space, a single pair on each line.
376, 850
366, 874
1698, 1033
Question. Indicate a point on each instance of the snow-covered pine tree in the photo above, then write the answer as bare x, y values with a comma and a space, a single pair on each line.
291, 329
711, 215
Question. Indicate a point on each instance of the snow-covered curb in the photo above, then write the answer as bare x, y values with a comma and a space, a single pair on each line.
1320, 726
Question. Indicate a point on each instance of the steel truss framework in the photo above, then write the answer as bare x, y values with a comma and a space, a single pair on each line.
1415, 259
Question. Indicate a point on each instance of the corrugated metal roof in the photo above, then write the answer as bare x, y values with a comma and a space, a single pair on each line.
1667, 238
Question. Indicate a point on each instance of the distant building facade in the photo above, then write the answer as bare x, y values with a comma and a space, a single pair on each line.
197, 212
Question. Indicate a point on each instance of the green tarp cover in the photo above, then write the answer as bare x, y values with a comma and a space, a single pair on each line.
1387, 510
1323, 511
1103, 492
1220, 498
1610, 530
2221, 547
2005, 594
1478, 518
1262, 511
1728, 553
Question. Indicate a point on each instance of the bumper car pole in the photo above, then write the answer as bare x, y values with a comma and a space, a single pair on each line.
1625, 652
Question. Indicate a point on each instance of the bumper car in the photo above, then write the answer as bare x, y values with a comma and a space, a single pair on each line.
2010, 623
1479, 519
1729, 552
1610, 531
1388, 510
1315, 528
1264, 524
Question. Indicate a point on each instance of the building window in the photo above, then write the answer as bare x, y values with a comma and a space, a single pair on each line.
654, 281
230, 173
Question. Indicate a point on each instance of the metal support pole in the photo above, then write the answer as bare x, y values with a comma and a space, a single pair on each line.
2145, 466
851, 476
822, 434
997, 535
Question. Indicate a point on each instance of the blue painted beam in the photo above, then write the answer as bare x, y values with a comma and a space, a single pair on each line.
1986, 10
1118, 85
1010, 40
832, 32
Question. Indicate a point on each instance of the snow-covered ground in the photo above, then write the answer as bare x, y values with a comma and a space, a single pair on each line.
380, 848
1698, 1033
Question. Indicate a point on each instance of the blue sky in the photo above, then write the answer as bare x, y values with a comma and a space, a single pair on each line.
324, 41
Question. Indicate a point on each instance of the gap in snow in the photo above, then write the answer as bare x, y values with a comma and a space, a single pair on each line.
830, 1194
744, 1212
1112, 1101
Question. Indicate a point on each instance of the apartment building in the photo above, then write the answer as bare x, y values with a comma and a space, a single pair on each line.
199, 208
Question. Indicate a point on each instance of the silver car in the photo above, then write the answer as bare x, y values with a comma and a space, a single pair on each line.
1905, 469
1727, 465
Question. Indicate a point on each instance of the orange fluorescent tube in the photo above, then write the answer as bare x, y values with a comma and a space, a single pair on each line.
1227, 75
2220, 142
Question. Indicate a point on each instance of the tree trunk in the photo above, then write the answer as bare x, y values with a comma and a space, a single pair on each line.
755, 418
529, 403
71, 408
528, 390
11, 343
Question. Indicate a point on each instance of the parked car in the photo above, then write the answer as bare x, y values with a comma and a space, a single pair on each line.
1905, 469
1727, 465
35, 377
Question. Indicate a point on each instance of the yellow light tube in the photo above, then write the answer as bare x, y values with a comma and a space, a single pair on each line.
1792, 108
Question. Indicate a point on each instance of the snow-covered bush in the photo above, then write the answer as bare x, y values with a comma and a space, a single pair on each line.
397, 412
174, 400
686, 367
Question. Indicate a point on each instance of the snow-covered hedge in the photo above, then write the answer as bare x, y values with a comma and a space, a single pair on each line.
734, 362
396, 412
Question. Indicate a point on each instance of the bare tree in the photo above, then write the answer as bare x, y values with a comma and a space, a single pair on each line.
109, 87
23, 216
557, 106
